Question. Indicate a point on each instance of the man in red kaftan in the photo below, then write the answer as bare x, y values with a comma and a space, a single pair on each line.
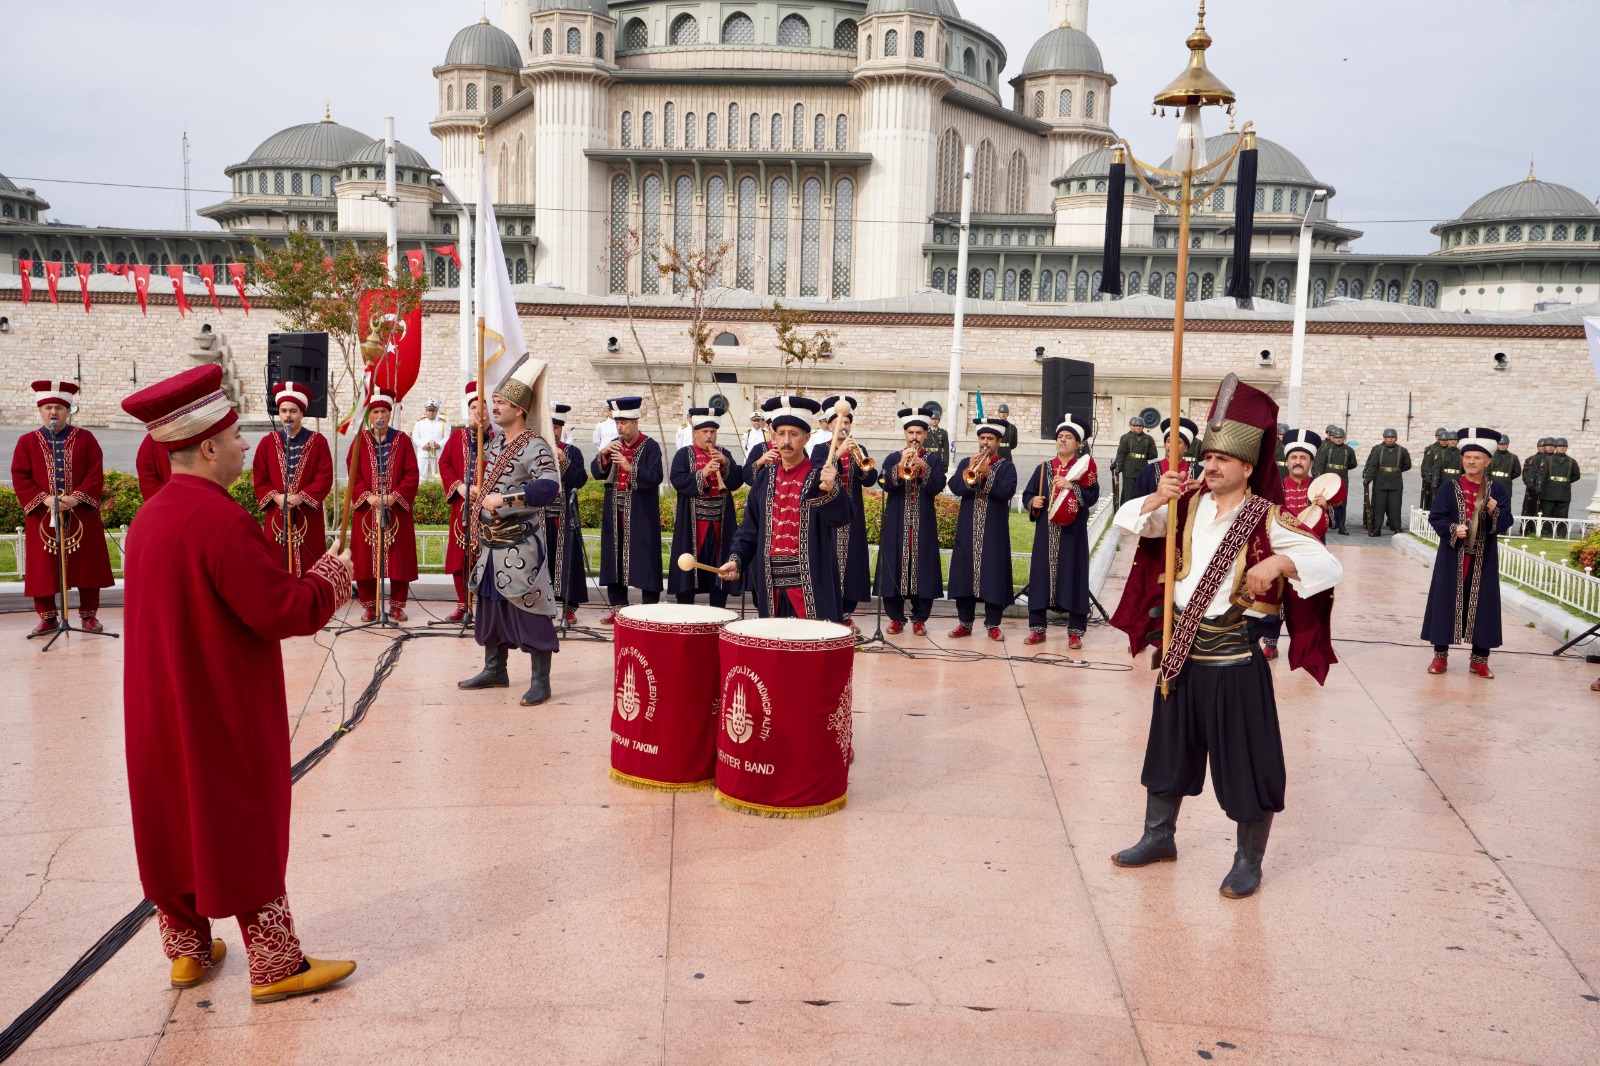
383, 488
293, 474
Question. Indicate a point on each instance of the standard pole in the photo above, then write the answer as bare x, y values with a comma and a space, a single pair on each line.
1175, 450
955, 410
389, 197
1302, 298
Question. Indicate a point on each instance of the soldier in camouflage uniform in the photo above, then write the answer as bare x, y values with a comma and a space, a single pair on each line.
1560, 473
1136, 449
1385, 472
1336, 457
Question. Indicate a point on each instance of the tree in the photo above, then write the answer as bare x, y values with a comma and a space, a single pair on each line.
696, 272
797, 348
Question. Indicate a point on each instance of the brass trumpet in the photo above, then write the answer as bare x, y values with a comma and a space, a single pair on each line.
973, 474
863, 460
907, 470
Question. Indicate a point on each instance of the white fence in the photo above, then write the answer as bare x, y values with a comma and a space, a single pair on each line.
1552, 528
1575, 589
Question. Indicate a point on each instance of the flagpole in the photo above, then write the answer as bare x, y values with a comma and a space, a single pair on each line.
483, 398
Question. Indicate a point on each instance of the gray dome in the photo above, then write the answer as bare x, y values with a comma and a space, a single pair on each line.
594, 7
1531, 199
404, 156
939, 8
11, 190
483, 45
1095, 164
1063, 48
1274, 162
314, 144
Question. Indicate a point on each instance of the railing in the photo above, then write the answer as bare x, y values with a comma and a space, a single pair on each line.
1553, 528
1577, 590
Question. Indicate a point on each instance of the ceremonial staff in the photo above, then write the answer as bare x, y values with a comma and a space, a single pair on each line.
470, 518
1192, 90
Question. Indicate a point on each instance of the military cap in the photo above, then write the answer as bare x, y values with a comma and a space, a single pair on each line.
1136, 421
1335, 431
1505, 438
1560, 442
1441, 434
1390, 433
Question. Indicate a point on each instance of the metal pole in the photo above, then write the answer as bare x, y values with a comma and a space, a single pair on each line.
1302, 298
955, 400
464, 292
389, 197
1175, 451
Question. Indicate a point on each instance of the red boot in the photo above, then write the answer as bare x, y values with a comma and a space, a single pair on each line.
457, 615
994, 633
609, 618
1269, 650
962, 630
1481, 668
1440, 664
895, 628
90, 624
1075, 641
1035, 636
921, 630
47, 624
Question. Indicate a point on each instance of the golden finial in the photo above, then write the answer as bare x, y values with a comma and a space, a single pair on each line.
1196, 85
1530, 169
327, 110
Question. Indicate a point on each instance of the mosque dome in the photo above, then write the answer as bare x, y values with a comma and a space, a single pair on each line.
1095, 164
483, 45
593, 7
939, 8
404, 156
1274, 162
313, 144
1063, 48
1531, 199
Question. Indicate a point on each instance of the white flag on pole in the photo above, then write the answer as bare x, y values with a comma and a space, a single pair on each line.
503, 345
1591, 332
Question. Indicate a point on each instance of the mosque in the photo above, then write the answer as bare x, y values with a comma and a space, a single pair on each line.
821, 143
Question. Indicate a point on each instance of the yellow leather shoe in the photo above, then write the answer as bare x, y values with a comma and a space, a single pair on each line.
187, 971
319, 975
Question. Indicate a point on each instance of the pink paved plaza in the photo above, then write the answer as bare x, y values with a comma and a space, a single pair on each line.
1432, 892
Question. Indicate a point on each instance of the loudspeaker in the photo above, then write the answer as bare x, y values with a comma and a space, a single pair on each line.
300, 359
1067, 388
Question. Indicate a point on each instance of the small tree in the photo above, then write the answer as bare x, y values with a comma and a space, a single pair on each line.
797, 348
696, 272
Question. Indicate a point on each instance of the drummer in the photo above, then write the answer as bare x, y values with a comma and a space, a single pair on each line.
1300, 447
1153, 471
1059, 496
786, 541
704, 476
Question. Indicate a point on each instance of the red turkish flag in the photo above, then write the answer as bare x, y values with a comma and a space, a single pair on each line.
450, 250
25, 271
84, 270
236, 274
397, 369
415, 256
52, 277
208, 274
119, 270
141, 284
176, 274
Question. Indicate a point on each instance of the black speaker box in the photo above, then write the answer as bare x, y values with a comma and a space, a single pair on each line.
299, 359
1067, 389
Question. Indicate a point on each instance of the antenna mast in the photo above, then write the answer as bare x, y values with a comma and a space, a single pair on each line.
188, 208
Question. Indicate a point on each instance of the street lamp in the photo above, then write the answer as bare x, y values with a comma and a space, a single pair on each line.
1191, 91
1302, 296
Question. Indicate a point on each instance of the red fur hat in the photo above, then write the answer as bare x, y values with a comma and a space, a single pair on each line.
184, 409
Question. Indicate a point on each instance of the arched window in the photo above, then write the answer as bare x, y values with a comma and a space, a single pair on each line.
738, 29
472, 96
1038, 104
988, 237
599, 46
1153, 284
733, 125
522, 272
950, 281
549, 40
1172, 286
1580, 233
1277, 199
650, 235
778, 238
682, 224
1294, 200
794, 32
1080, 287
647, 130
277, 185
988, 72
1208, 286
1095, 281
438, 271
685, 30
1377, 288
969, 63
983, 179
869, 46
716, 193
776, 141
619, 233
691, 132
1513, 233
1559, 232
891, 43
1491, 235
627, 129
1025, 285
844, 214
755, 133
1017, 182
841, 135
1342, 289
819, 133
1430, 294
297, 183
636, 35
746, 237
316, 185
1394, 292
1005, 238
1008, 286
974, 283
810, 236
669, 125
1219, 200
947, 172
318, 226
497, 94
711, 129
919, 45
1134, 279
1088, 104
449, 97
1261, 200
845, 35
938, 278
1064, 105
1319, 292
988, 283
1283, 290
1414, 294
797, 139
574, 41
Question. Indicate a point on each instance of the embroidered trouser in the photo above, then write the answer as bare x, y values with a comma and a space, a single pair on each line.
399, 592
967, 610
460, 579
88, 604
270, 942
895, 608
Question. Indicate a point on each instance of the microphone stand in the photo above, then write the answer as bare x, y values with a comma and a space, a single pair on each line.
466, 624
878, 638
57, 519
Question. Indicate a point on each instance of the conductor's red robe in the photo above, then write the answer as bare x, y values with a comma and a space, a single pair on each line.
154, 466
313, 478
456, 461
82, 477
207, 723
400, 477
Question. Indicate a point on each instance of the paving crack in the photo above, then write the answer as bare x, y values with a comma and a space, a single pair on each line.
43, 882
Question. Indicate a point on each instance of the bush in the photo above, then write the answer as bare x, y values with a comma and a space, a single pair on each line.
946, 510
120, 500
1585, 554
10, 510
243, 490
591, 503
431, 508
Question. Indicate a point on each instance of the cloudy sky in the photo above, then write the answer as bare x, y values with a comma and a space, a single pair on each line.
1410, 109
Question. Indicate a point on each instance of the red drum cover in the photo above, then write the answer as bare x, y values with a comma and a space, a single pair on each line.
783, 746
1064, 511
664, 709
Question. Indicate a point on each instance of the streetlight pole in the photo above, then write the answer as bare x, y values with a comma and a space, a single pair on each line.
955, 400
1302, 297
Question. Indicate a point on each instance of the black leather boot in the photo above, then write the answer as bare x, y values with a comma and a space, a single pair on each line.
1159, 842
493, 674
539, 687
1245, 877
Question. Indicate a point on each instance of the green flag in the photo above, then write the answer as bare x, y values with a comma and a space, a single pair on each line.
980, 404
